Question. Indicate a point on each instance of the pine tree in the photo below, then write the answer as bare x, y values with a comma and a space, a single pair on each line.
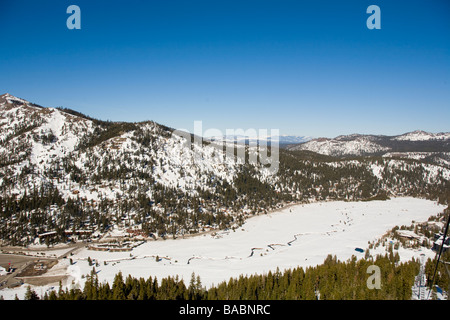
142, 290
118, 288
30, 294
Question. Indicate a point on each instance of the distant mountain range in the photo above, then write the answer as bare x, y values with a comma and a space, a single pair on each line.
363, 145
418, 145
281, 139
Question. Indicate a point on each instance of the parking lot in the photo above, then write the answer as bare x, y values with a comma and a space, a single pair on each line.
30, 266
17, 263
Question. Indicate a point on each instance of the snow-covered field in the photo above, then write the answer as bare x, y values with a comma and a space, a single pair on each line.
301, 235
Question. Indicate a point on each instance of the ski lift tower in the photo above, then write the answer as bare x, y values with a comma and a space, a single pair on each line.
421, 278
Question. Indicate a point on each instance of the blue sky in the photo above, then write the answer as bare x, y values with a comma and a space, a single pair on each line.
303, 67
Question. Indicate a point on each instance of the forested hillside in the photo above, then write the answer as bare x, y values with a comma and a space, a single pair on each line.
62, 171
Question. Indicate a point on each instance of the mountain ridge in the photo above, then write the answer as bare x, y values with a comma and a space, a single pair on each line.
61, 170
369, 144
416, 135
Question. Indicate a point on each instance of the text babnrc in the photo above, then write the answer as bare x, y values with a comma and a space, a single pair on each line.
246, 309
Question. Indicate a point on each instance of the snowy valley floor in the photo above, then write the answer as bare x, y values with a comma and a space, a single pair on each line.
301, 235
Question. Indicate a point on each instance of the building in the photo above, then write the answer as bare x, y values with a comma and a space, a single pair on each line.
439, 238
49, 234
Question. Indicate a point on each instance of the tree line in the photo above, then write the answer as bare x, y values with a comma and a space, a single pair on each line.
332, 280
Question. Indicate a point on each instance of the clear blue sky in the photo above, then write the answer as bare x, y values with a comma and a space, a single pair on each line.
304, 67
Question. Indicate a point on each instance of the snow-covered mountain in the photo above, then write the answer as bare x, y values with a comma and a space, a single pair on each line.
337, 147
360, 145
62, 171
420, 135
66, 156
34, 136
44, 139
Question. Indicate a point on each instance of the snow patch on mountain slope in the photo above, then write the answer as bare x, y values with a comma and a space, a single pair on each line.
377, 170
66, 136
332, 147
420, 135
